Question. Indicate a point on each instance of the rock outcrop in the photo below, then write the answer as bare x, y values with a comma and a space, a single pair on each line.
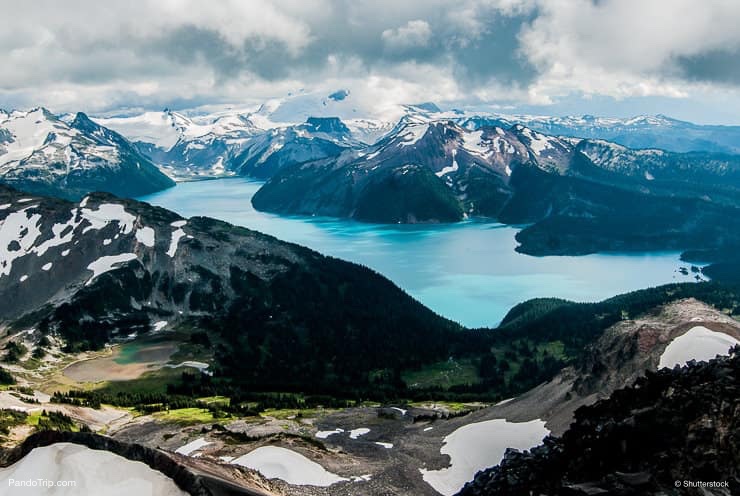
672, 432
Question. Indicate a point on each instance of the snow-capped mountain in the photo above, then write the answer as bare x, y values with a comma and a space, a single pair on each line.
580, 195
317, 138
185, 147
41, 153
421, 171
227, 141
637, 132
367, 123
230, 142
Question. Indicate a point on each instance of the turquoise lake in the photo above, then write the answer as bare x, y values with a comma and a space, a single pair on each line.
468, 272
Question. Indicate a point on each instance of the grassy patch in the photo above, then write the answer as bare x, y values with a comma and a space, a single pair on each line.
290, 413
443, 374
51, 420
451, 406
514, 355
10, 419
187, 416
216, 400
31, 363
556, 349
151, 382
33, 418
189, 351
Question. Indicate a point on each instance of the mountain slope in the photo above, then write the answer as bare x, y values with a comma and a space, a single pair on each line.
279, 315
42, 154
672, 427
316, 139
420, 172
184, 147
230, 143
580, 196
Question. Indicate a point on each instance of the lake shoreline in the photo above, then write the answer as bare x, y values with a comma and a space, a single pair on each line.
469, 272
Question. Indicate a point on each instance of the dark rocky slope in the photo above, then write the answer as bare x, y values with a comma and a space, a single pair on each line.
579, 196
672, 425
278, 315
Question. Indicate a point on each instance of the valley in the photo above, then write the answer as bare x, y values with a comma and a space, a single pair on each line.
195, 332
127, 361
469, 272
402, 447
362, 248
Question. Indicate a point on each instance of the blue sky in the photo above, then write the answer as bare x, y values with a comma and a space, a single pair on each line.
603, 57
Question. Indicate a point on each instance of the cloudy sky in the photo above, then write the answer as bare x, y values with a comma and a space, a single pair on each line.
605, 57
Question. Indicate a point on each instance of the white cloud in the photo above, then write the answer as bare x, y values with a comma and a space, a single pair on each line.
624, 48
416, 33
95, 56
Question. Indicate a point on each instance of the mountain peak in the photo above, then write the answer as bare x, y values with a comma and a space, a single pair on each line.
332, 125
427, 107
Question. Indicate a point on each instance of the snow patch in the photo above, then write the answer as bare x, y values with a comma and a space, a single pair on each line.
201, 366
159, 325
698, 343
107, 213
355, 433
192, 446
274, 462
384, 445
449, 168
537, 142
145, 235
47, 266
177, 235
480, 445
95, 472
473, 142
107, 263
413, 133
326, 434
18, 232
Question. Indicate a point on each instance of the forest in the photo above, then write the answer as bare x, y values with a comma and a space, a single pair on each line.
337, 355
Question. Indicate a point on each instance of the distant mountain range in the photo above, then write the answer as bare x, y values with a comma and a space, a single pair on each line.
642, 131
210, 144
578, 195
40, 153
230, 145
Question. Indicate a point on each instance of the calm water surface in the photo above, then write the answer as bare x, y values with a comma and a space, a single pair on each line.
468, 272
